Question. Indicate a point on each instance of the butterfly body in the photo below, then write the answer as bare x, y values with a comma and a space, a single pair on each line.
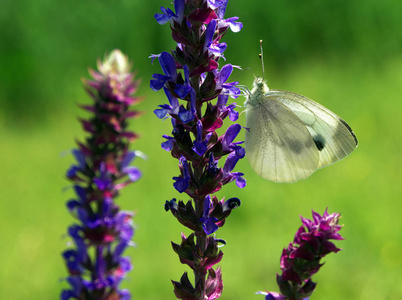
290, 136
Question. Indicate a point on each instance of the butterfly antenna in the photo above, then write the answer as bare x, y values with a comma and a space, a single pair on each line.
262, 60
248, 68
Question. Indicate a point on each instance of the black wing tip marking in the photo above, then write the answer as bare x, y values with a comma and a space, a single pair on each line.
319, 142
350, 130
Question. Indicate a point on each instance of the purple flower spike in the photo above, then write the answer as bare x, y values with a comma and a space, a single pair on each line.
95, 262
198, 94
301, 259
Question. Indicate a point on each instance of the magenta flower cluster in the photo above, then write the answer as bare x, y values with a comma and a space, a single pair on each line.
102, 231
192, 81
302, 258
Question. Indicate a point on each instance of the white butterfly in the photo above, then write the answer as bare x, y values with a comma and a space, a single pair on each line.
290, 136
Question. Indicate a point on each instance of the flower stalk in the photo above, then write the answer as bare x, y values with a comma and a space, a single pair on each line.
198, 92
102, 231
302, 258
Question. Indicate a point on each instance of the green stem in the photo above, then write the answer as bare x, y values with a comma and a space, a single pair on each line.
201, 242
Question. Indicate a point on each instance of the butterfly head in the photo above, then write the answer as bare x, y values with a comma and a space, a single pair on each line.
259, 86
256, 95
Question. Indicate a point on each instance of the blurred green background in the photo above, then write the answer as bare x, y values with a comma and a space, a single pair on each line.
344, 54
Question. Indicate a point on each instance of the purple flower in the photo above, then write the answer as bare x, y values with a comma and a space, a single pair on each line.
168, 65
95, 262
301, 259
230, 109
208, 223
168, 14
231, 22
229, 176
81, 160
80, 157
168, 144
182, 90
103, 181
212, 167
185, 116
215, 49
231, 203
77, 285
231, 88
198, 93
171, 205
229, 136
182, 182
133, 172
200, 145
165, 109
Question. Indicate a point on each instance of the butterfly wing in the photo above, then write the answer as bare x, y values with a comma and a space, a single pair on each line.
332, 135
278, 145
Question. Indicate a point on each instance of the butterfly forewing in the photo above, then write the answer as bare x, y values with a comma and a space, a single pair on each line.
332, 135
278, 144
